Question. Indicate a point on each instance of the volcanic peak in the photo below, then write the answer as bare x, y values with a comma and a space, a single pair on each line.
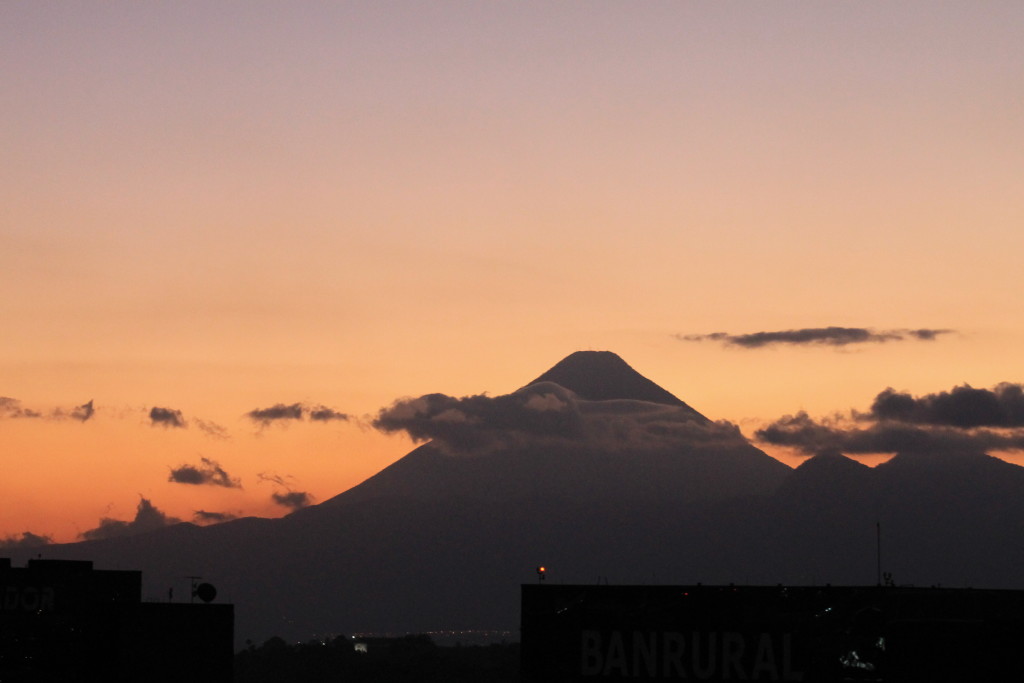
603, 376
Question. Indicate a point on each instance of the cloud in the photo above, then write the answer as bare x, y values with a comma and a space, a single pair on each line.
167, 417
473, 422
963, 406
27, 540
276, 413
274, 479
962, 419
816, 336
209, 472
83, 412
207, 517
809, 437
11, 407
548, 413
147, 518
212, 429
325, 414
292, 499
281, 412
287, 498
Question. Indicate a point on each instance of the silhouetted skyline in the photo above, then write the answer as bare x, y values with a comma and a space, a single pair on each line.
635, 486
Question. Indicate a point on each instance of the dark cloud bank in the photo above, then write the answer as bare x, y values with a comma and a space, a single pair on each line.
962, 419
816, 336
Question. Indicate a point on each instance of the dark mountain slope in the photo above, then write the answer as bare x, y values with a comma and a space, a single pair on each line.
603, 376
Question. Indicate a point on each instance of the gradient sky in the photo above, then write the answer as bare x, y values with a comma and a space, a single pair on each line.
219, 207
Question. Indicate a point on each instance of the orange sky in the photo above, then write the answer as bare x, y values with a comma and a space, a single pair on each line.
217, 208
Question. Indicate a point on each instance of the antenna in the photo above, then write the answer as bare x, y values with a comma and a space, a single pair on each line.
193, 579
878, 551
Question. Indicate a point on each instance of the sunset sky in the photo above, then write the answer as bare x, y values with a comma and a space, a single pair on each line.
215, 208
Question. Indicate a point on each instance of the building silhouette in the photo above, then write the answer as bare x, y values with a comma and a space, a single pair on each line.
810, 634
62, 620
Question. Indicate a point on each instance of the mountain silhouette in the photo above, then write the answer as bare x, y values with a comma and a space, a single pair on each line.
601, 475
604, 376
589, 464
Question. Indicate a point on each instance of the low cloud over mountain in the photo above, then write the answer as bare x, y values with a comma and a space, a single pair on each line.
547, 411
294, 500
147, 518
962, 419
815, 336
26, 540
207, 517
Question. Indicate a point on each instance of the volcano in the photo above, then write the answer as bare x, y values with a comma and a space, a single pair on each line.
604, 376
624, 439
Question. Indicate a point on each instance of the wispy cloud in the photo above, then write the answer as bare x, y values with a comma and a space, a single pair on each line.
325, 414
290, 412
208, 473
12, 408
288, 498
276, 413
212, 429
815, 336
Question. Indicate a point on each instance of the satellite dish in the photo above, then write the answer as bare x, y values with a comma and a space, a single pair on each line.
205, 592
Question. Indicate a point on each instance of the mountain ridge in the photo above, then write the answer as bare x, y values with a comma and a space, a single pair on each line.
637, 491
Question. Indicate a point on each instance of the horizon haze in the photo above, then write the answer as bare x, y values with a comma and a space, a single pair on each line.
239, 239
